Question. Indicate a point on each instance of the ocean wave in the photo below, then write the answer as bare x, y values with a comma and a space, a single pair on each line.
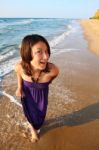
62, 50
61, 37
7, 50
5, 47
7, 66
20, 22
12, 98
7, 55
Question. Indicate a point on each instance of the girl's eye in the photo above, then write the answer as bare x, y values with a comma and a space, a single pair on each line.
39, 52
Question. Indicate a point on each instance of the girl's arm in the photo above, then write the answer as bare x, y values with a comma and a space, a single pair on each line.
19, 80
54, 71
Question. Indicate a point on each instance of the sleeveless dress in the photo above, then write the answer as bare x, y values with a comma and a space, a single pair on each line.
35, 102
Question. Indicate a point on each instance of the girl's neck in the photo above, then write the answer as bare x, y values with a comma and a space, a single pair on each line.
34, 69
36, 74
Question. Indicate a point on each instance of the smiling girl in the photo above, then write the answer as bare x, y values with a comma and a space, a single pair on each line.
34, 74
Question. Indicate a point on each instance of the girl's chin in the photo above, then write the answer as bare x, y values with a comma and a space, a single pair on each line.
42, 67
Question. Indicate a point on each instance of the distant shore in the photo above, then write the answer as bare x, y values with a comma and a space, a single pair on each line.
91, 30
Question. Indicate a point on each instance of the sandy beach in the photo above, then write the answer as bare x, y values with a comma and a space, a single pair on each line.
72, 119
91, 30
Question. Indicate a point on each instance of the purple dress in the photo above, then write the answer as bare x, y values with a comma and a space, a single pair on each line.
35, 102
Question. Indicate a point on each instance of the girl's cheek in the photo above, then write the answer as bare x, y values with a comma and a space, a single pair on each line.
37, 60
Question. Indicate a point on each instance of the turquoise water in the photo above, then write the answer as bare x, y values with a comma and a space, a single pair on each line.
12, 31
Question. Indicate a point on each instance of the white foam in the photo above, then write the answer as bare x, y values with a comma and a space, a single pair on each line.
5, 24
61, 37
5, 56
12, 99
62, 50
63, 94
27, 21
7, 66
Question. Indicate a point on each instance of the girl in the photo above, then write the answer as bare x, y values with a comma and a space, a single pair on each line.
34, 73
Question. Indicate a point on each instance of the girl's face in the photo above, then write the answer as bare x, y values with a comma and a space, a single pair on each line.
40, 56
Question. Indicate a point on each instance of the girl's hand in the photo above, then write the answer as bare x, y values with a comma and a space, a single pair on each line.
19, 93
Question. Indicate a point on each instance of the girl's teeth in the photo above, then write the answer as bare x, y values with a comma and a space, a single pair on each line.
43, 62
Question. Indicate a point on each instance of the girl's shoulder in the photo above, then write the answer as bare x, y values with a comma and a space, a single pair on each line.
53, 69
18, 67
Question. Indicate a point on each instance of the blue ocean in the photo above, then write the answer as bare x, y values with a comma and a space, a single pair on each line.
12, 31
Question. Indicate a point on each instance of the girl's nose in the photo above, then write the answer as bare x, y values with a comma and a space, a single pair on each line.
45, 56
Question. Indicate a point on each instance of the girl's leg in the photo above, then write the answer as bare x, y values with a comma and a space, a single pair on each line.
34, 136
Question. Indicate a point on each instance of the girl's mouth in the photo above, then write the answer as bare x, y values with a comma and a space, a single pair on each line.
43, 63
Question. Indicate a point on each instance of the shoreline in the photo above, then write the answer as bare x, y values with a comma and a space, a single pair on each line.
72, 119
91, 32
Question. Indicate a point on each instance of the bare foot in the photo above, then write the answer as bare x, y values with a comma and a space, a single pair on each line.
33, 139
34, 136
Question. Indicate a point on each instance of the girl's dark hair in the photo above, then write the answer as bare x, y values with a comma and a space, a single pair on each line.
27, 43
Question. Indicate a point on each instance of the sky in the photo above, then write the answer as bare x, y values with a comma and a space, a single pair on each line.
48, 8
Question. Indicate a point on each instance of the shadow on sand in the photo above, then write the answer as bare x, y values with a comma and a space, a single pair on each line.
82, 116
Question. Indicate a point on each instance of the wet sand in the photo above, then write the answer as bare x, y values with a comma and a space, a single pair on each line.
72, 119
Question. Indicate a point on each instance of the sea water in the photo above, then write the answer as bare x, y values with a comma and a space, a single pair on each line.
12, 31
